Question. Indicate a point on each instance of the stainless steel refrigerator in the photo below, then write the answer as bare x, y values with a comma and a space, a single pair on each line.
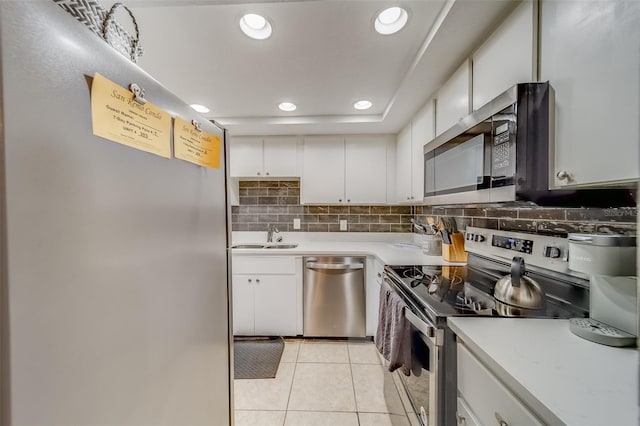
113, 273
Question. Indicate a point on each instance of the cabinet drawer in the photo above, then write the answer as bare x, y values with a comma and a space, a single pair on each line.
263, 265
487, 397
464, 417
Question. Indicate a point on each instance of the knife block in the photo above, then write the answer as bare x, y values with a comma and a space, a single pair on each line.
454, 252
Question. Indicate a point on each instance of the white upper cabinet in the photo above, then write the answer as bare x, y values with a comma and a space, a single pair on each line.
366, 169
245, 156
410, 157
403, 165
263, 157
280, 156
506, 58
345, 170
590, 53
452, 102
422, 131
322, 170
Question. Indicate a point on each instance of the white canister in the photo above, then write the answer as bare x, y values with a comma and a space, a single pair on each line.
602, 254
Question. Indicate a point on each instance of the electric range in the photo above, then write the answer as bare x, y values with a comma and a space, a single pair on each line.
434, 293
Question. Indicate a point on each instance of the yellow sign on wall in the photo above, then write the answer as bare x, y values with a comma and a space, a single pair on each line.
118, 117
195, 146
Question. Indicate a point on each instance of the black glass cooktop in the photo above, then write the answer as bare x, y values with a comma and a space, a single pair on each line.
468, 291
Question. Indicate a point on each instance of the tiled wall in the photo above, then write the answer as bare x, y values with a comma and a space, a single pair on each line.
278, 202
541, 220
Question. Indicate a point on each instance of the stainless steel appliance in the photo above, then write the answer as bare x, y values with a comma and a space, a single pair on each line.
501, 153
334, 297
610, 263
113, 283
434, 293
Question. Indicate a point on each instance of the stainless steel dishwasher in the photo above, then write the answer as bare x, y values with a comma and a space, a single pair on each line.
334, 297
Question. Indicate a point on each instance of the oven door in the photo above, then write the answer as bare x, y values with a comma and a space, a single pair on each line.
423, 385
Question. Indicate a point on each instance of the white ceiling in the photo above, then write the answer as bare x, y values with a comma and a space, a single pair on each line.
323, 55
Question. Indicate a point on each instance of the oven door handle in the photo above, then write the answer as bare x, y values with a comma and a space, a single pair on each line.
423, 327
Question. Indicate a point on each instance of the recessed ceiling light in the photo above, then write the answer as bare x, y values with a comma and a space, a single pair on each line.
391, 20
363, 104
287, 106
200, 108
255, 26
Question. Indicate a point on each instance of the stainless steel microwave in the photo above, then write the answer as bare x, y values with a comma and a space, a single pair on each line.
501, 153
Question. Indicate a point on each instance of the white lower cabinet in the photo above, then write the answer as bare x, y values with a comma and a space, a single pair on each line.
373, 280
464, 415
483, 399
266, 295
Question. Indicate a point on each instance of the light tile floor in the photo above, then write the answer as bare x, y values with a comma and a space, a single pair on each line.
324, 383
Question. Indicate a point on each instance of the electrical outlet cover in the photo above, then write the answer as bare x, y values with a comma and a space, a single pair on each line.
296, 223
343, 225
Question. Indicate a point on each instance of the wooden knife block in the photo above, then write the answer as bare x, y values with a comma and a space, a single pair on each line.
454, 252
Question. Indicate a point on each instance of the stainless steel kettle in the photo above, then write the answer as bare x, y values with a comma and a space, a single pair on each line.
519, 290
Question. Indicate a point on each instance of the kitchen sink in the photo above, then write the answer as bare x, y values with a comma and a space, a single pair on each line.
281, 246
264, 246
247, 246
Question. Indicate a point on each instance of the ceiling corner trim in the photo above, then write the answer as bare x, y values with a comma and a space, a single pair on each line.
312, 119
444, 12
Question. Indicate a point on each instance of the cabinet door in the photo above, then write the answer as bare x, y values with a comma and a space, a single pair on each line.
275, 305
486, 396
366, 169
453, 99
374, 278
403, 165
243, 318
281, 156
323, 170
245, 157
422, 131
590, 53
506, 58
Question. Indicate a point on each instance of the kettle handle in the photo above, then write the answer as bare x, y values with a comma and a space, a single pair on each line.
517, 270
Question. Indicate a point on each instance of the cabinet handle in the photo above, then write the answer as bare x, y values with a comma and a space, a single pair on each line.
379, 274
339, 200
348, 201
249, 280
257, 280
500, 420
461, 419
258, 173
413, 198
408, 198
267, 173
564, 175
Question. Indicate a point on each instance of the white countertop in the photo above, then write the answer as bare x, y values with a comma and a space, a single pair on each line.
563, 378
390, 252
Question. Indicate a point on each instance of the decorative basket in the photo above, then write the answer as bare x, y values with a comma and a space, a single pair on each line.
103, 23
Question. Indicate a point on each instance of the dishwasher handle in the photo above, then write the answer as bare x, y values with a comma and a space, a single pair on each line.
335, 266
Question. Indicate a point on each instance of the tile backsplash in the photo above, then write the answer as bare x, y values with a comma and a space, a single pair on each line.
278, 202
539, 220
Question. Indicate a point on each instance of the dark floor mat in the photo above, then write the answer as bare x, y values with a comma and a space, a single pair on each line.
257, 358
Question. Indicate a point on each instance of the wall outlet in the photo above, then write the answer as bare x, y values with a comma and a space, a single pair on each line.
343, 225
296, 223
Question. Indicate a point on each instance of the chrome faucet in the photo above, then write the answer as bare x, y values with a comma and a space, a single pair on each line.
270, 230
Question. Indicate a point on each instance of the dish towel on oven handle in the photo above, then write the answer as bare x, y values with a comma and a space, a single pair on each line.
393, 336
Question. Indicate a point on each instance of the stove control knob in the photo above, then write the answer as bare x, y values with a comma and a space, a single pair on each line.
479, 238
552, 252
